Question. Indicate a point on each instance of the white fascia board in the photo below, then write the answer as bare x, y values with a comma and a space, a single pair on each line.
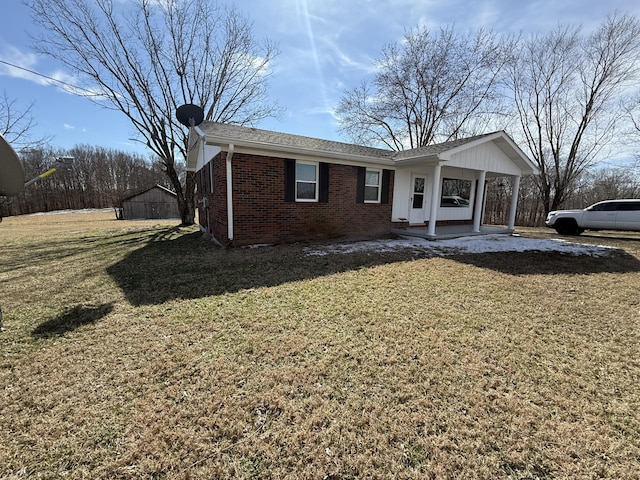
523, 156
476, 142
513, 152
429, 159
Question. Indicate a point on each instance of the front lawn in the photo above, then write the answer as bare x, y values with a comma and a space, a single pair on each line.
141, 350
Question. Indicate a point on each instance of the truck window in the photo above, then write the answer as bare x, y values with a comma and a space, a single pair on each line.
603, 207
629, 206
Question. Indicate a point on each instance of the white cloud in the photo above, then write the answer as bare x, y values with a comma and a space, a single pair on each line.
21, 63
26, 66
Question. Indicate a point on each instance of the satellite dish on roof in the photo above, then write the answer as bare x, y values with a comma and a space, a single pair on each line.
190, 115
11, 171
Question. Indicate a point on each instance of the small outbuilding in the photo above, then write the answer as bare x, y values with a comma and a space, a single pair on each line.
155, 202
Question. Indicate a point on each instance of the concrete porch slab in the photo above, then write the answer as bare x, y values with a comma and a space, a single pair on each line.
450, 231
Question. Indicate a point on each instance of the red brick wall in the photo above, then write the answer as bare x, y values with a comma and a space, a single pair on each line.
262, 216
218, 200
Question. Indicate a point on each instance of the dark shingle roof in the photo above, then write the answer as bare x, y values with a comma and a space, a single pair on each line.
436, 148
267, 138
249, 137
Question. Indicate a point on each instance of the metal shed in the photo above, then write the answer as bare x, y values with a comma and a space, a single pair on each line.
155, 202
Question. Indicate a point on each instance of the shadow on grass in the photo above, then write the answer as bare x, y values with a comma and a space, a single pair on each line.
608, 235
189, 266
72, 318
57, 249
186, 266
551, 263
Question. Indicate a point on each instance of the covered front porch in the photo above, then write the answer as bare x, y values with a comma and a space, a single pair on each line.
439, 190
444, 232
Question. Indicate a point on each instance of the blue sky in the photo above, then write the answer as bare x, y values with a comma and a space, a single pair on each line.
326, 46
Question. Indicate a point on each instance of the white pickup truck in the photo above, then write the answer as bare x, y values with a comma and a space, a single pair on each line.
607, 215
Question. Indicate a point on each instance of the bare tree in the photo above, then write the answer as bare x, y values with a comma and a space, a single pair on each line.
631, 106
567, 89
145, 58
429, 87
632, 109
607, 184
16, 124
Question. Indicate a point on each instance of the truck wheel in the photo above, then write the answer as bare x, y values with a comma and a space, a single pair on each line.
568, 227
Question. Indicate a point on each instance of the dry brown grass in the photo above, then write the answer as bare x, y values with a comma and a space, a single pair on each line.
140, 350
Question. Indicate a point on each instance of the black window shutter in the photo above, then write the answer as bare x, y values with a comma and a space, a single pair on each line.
289, 180
360, 185
323, 189
384, 195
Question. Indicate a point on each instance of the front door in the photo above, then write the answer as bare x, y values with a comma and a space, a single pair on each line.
417, 199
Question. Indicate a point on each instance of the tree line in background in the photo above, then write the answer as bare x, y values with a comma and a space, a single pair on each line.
569, 99
591, 187
90, 177
97, 177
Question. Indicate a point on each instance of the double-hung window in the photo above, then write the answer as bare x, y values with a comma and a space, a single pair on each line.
306, 182
372, 181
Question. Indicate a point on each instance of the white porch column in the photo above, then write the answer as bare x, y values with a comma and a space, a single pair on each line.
435, 200
477, 211
514, 203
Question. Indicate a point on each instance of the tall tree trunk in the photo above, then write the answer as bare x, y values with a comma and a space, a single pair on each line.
188, 214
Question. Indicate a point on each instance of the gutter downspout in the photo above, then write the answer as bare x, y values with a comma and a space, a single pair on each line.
229, 196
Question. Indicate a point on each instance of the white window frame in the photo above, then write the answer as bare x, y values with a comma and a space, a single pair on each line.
316, 182
378, 186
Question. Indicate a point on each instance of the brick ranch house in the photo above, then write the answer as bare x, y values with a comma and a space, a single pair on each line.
257, 186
